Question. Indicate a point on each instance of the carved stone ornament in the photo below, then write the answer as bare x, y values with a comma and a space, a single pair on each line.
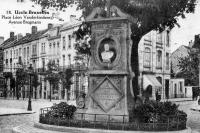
107, 95
112, 12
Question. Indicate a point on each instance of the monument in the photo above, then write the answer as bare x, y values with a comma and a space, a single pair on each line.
110, 91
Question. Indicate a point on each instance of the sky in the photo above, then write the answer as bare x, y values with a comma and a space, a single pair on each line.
190, 26
12, 5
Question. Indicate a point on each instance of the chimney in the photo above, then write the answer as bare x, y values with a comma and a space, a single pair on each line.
1, 40
34, 29
72, 18
191, 44
12, 34
19, 36
50, 25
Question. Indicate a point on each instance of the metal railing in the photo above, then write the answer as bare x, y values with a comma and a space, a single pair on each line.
106, 121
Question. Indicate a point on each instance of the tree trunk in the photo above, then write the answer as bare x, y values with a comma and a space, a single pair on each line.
50, 91
17, 92
135, 65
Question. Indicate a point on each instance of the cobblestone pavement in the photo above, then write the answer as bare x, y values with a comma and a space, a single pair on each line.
8, 122
193, 116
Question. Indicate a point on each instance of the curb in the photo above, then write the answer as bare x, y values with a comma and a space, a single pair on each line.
89, 130
195, 109
18, 113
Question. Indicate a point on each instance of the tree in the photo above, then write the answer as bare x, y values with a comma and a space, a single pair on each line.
7, 75
21, 80
52, 76
35, 82
189, 66
66, 77
147, 15
12, 85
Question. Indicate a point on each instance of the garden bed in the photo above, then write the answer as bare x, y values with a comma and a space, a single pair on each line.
152, 122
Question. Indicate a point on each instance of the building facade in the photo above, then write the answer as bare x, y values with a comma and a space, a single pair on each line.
55, 43
178, 89
154, 64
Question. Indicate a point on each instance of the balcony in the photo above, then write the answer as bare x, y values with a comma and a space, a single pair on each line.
73, 67
41, 70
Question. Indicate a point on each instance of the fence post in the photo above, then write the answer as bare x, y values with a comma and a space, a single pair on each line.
177, 122
123, 123
69, 122
153, 123
108, 121
81, 120
167, 123
95, 120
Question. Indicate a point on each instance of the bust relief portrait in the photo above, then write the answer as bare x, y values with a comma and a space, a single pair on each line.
106, 55
107, 51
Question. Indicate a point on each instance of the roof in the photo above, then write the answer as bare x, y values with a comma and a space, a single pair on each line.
180, 52
8, 41
27, 38
71, 24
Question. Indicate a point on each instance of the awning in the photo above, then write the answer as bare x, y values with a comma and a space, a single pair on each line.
150, 80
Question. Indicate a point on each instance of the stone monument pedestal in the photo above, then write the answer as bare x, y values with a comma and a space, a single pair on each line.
110, 95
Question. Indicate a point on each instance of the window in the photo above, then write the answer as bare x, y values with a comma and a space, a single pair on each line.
167, 39
43, 62
6, 54
64, 43
34, 51
159, 37
69, 45
24, 52
44, 47
58, 62
167, 61
11, 54
27, 51
54, 48
147, 57
50, 48
63, 60
159, 59
20, 51
58, 45
69, 56
181, 87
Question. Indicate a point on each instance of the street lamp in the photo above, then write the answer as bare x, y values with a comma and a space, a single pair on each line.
30, 72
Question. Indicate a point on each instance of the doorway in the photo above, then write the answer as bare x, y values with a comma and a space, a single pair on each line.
167, 88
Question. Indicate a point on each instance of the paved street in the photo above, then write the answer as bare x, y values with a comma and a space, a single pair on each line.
8, 122
193, 116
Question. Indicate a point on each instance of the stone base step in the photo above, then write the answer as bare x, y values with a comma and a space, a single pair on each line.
43, 128
31, 129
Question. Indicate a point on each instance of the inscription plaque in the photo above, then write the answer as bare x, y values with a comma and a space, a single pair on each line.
107, 95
